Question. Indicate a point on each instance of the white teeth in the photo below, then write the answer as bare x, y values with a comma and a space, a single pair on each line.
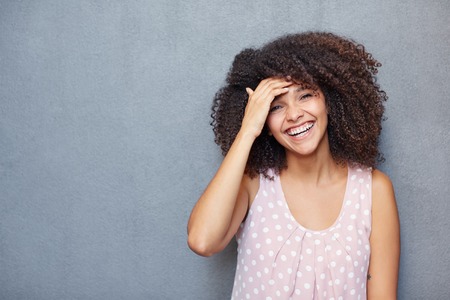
300, 130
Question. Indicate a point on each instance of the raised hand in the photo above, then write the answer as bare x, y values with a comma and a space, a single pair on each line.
259, 102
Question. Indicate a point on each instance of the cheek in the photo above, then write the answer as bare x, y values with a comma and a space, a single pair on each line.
272, 122
319, 109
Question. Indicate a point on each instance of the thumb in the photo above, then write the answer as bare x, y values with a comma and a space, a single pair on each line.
249, 91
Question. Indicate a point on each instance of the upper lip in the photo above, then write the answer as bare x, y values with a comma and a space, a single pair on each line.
302, 125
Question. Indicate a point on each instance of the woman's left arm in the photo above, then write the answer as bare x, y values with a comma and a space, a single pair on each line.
384, 240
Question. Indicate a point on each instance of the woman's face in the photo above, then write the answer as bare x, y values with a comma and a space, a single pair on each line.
298, 120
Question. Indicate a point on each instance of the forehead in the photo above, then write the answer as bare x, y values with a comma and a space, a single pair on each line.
304, 85
297, 88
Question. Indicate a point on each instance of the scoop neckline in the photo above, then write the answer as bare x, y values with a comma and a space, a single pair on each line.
305, 229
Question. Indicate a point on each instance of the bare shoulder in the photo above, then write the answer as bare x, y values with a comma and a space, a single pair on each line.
380, 179
384, 206
382, 189
384, 240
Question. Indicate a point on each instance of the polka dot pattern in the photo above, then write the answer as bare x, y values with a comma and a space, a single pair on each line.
280, 259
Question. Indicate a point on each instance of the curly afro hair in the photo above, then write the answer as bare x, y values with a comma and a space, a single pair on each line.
340, 67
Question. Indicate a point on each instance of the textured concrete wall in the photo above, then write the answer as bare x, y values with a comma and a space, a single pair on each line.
105, 143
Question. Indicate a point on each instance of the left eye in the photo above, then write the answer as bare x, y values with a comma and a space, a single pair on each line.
274, 108
306, 96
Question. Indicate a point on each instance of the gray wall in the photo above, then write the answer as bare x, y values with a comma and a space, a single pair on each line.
105, 143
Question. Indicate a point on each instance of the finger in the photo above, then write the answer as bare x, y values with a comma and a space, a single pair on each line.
274, 89
268, 89
273, 83
279, 92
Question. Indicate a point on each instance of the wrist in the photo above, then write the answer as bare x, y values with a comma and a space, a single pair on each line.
246, 137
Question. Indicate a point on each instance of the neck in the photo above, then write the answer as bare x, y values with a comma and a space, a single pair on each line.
317, 168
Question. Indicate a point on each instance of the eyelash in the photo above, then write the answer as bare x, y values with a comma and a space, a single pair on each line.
272, 109
303, 97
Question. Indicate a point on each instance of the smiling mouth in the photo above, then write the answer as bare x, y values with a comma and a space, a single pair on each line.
300, 131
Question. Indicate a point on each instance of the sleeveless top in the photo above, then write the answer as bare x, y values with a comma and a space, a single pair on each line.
280, 259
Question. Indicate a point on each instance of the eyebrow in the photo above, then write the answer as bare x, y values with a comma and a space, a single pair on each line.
297, 90
302, 88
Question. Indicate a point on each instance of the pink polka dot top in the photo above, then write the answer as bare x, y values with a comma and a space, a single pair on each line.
280, 259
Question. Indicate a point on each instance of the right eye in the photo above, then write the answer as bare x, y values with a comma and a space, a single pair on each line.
274, 108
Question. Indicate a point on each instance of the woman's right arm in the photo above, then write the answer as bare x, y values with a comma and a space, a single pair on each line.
223, 205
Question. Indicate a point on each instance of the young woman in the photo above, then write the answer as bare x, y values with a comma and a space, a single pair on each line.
298, 122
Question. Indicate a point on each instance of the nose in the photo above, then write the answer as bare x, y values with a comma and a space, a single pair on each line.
294, 113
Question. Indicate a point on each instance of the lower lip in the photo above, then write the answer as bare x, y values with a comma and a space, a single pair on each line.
301, 137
